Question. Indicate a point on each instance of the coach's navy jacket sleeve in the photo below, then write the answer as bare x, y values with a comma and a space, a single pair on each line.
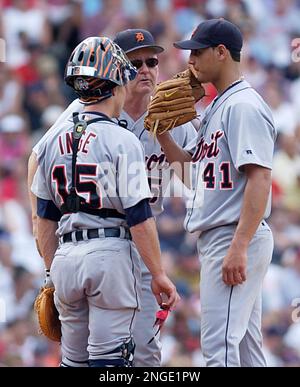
138, 213
48, 210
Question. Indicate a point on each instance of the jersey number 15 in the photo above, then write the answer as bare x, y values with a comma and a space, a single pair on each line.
89, 187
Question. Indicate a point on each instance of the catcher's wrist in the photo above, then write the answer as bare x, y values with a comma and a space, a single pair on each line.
48, 281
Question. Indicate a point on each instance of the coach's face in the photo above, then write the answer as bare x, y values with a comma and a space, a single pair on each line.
146, 62
206, 63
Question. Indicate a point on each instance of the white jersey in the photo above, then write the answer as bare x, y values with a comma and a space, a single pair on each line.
157, 167
237, 129
110, 171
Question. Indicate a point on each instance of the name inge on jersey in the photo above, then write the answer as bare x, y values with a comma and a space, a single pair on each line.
206, 149
65, 142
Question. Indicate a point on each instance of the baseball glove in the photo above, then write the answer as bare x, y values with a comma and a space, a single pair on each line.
47, 313
173, 103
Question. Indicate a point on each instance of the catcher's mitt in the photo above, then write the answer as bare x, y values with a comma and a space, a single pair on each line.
173, 102
47, 313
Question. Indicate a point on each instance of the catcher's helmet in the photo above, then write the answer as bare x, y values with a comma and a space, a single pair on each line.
95, 67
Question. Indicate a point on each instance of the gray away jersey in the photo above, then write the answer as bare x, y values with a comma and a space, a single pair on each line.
157, 167
236, 130
110, 170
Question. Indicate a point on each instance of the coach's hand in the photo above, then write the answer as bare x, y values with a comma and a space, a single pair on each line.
234, 266
160, 285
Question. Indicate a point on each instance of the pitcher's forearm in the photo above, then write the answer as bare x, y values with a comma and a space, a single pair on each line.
178, 158
254, 205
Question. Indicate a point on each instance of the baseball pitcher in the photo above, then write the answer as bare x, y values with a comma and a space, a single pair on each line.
233, 153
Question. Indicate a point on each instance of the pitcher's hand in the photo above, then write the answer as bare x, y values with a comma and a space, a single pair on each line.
234, 267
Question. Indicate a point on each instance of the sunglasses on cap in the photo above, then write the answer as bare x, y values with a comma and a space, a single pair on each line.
150, 62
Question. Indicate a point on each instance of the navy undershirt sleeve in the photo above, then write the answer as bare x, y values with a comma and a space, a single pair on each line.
48, 210
138, 213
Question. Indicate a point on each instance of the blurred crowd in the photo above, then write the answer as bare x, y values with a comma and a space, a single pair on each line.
39, 36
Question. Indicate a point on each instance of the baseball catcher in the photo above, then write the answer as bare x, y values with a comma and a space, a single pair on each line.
173, 102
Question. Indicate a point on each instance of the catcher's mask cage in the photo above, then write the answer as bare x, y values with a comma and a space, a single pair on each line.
95, 67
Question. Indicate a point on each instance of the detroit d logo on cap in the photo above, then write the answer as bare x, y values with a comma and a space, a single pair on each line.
139, 37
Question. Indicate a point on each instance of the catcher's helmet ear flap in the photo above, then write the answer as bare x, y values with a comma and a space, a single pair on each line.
96, 66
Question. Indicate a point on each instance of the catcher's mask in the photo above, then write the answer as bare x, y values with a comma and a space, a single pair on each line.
95, 67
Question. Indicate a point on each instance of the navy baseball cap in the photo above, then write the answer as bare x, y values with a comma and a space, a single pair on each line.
211, 33
134, 39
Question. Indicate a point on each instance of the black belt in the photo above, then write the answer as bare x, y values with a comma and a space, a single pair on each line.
263, 223
113, 232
